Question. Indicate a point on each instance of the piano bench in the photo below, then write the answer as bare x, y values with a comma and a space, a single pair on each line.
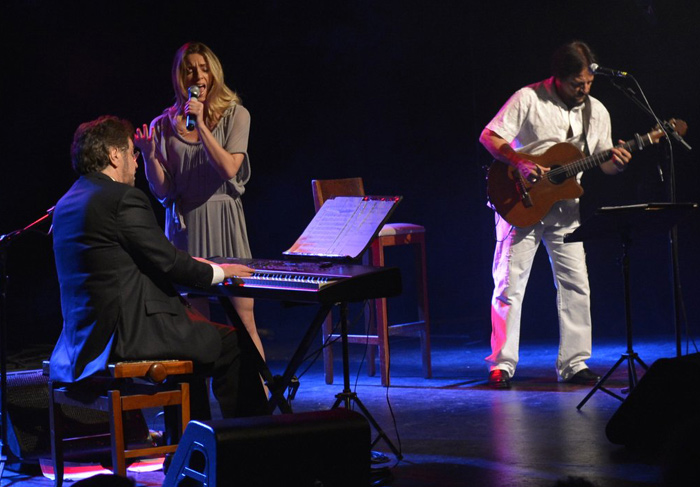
127, 386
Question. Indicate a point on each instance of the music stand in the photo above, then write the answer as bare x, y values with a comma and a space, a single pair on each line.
628, 223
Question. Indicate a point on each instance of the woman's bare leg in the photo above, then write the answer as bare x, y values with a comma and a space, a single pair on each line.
244, 308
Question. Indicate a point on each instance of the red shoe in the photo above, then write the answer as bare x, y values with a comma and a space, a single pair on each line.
499, 379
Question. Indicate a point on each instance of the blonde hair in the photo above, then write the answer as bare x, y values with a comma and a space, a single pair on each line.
219, 96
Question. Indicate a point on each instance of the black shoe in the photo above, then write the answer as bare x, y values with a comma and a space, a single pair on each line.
166, 462
499, 379
584, 377
379, 477
377, 457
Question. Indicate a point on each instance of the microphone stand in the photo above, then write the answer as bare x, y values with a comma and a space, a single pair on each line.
5, 242
669, 131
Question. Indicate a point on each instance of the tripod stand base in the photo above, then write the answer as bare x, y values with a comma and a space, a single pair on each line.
631, 357
346, 399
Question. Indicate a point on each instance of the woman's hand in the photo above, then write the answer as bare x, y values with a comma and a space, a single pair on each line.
196, 108
143, 140
152, 159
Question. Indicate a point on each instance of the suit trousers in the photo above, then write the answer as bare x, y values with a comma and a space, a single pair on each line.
512, 263
235, 381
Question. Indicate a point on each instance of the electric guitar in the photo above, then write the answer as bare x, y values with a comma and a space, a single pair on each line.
523, 203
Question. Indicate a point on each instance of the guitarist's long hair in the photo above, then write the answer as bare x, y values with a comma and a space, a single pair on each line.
570, 59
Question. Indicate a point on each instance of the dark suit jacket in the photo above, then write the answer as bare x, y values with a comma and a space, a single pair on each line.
116, 272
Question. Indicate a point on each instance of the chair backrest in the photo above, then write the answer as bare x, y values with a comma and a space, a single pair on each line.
323, 189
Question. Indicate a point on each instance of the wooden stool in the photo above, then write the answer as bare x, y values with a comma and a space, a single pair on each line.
122, 394
391, 234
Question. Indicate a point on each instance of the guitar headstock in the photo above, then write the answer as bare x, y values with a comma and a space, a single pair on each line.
678, 126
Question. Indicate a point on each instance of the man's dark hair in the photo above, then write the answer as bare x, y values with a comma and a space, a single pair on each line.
92, 140
570, 59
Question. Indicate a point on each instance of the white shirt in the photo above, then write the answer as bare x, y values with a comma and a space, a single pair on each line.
535, 118
218, 274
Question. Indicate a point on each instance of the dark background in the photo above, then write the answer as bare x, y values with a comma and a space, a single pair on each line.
394, 91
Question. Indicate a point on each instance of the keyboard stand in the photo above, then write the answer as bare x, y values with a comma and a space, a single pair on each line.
277, 384
348, 396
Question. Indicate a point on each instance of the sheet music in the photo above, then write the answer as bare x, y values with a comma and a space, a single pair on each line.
344, 226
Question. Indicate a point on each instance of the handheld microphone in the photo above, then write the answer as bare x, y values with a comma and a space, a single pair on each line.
595, 69
193, 92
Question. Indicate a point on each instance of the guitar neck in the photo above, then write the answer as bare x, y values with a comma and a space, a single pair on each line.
595, 160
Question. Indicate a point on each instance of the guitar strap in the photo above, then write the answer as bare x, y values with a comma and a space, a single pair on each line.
586, 124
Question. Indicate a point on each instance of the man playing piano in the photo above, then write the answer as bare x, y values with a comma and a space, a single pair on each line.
116, 272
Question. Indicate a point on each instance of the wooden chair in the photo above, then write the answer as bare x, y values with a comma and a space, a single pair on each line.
122, 394
379, 329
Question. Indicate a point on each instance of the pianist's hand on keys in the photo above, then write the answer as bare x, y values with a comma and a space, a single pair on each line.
237, 270
231, 270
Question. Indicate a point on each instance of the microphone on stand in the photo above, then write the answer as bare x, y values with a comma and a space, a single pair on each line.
596, 69
193, 92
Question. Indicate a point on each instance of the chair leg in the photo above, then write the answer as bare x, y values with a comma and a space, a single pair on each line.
371, 330
381, 317
56, 438
116, 425
383, 339
423, 311
184, 406
327, 328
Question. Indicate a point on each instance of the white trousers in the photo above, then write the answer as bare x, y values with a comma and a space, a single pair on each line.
512, 263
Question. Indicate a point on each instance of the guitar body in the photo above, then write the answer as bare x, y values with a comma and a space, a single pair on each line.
522, 203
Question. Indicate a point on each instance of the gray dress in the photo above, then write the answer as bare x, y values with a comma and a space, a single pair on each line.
204, 214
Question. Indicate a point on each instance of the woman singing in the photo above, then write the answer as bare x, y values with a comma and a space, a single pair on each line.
199, 173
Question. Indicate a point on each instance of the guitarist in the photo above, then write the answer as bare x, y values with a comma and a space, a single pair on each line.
536, 117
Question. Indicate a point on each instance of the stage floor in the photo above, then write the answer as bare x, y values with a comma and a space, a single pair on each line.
454, 431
